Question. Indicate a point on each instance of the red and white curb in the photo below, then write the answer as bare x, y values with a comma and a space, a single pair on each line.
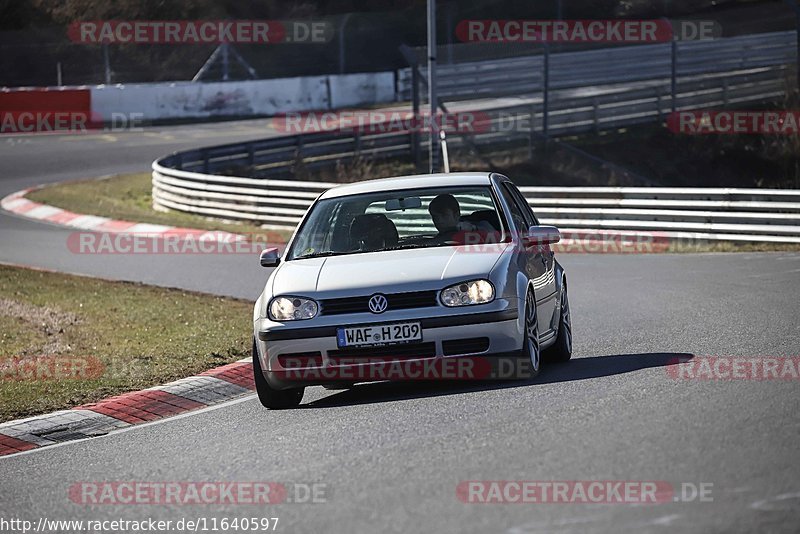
206, 389
17, 204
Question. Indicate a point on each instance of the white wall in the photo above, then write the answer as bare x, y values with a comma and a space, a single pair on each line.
360, 89
176, 100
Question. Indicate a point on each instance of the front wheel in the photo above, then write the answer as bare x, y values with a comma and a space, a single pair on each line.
561, 351
270, 397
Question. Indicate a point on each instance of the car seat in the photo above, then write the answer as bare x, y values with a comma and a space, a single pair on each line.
372, 231
489, 216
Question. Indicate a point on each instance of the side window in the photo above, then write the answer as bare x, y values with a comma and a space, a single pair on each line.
523, 203
516, 215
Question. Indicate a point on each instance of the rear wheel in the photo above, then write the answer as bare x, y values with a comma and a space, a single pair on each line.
530, 343
561, 351
270, 397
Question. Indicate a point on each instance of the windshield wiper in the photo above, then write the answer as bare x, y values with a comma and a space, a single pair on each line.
325, 253
318, 254
407, 245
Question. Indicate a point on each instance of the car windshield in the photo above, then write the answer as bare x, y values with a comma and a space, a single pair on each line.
393, 220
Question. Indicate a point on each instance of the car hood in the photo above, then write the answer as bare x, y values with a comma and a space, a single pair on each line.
395, 271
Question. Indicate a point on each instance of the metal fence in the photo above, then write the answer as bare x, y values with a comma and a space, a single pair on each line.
609, 65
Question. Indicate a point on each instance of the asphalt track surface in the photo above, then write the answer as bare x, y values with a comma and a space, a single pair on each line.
391, 455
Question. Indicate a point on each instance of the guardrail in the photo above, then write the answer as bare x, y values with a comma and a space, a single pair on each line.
714, 214
205, 182
756, 215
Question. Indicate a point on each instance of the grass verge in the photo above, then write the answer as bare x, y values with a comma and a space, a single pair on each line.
67, 340
129, 197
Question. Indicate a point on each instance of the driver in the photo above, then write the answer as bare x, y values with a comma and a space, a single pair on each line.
446, 214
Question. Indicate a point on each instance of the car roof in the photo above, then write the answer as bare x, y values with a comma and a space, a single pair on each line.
454, 179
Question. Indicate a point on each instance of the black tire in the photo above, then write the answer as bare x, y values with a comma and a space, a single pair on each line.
272, 398
530, 343
561, 350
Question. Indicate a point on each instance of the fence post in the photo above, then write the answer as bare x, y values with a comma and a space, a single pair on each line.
659, 112
674, 73
433, 148
341, 41
546, 90
328, 92
225, 74
107, 64
793, 4
415, 134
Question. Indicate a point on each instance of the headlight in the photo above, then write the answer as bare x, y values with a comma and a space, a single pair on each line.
292, 309
468, 293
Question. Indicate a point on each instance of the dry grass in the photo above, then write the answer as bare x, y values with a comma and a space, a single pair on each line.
119, 336
129, 197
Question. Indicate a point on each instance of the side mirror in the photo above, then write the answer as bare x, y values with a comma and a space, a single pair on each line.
541, 235
270, 257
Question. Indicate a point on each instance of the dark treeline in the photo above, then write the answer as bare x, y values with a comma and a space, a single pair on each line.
33, 33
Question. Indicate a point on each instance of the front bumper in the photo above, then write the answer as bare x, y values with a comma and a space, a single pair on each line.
501, 328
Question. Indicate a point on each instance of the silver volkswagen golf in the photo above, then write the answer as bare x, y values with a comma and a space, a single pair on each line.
434, 268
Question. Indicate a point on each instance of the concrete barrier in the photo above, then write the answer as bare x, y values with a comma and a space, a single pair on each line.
36, 109
22, 108
188, 100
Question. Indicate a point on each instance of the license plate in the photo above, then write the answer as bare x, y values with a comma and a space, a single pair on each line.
378, 334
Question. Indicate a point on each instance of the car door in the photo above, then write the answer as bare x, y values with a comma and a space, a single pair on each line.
531, 260
548, 255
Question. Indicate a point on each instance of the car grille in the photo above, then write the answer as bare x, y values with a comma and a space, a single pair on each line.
401, 351
454, 347
395, 301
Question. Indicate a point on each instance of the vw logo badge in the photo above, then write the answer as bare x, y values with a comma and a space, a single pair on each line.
378, 303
